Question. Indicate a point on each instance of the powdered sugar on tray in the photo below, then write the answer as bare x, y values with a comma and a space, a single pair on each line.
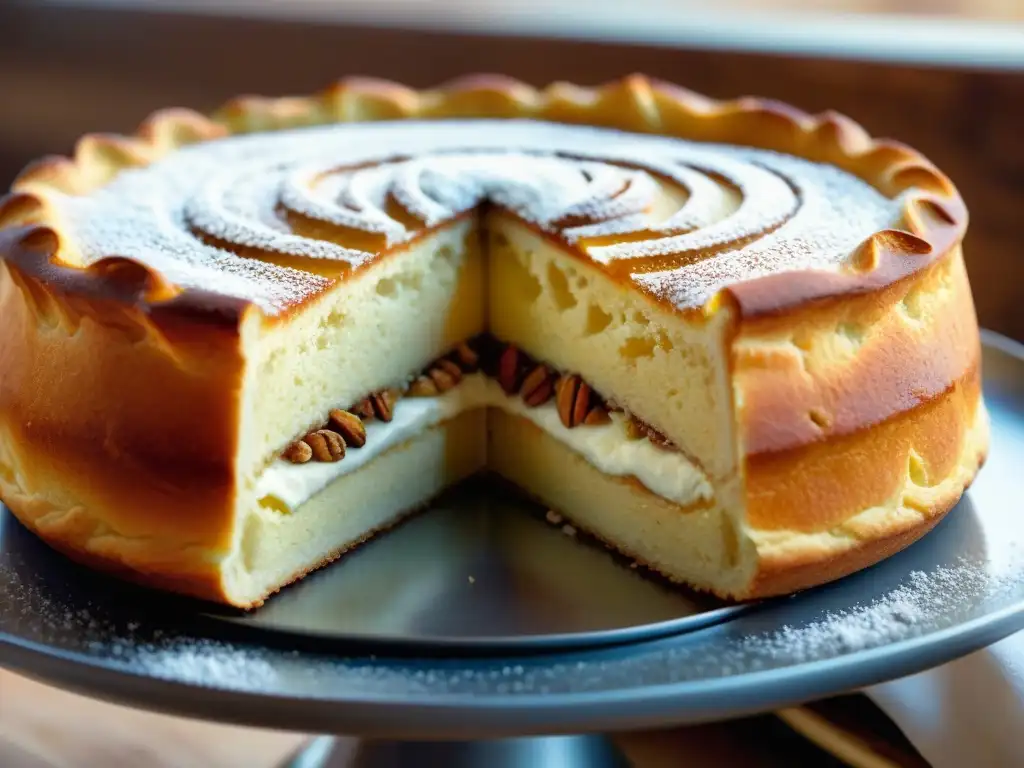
923, 604
115, 631
207, 663
900, 614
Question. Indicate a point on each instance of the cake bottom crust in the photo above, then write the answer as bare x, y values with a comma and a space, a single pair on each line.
272, 550
701, 546
706, 545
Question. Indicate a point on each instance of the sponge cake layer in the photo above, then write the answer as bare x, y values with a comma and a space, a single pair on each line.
796, 321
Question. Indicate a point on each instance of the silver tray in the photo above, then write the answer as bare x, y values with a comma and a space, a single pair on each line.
551, 635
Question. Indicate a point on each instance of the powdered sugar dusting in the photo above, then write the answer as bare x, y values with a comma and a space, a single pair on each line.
207, 214
895, 616
921, 603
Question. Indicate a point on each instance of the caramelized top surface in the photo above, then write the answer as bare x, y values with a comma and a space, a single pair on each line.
272, 218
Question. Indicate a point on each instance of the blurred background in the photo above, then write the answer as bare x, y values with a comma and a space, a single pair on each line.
946, 76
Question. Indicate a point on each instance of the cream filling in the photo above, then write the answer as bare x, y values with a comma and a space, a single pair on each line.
668, 474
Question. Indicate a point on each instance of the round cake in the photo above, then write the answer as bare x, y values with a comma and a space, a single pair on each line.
733, 340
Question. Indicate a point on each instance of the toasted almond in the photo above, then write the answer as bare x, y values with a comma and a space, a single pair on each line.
565, 398
597, 415
538, 386
349, 426
508, 370
445, 374
635, 429
582, 404
450, 367
298, 452
382, 403
326, 445
443, 380
363, 409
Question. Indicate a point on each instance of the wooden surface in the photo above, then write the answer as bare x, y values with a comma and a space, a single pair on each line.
42, 727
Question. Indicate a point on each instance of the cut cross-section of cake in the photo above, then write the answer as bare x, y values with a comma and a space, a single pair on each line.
734, 341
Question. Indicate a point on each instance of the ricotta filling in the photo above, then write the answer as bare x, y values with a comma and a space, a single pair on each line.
607, 447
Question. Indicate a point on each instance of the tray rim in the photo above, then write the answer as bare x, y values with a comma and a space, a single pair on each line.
427, 716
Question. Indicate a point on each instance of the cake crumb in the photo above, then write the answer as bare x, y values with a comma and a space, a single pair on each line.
568, 530
554, 518
472, 580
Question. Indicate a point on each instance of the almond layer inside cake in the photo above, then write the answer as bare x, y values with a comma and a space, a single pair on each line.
735, 341
381, 327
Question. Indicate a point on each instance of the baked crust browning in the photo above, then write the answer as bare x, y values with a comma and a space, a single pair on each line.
933, 215
876, 533
840, 365
889, 516
103, 407
822, 486
855, 387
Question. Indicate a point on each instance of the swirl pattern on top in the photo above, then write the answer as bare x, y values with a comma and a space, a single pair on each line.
274, 218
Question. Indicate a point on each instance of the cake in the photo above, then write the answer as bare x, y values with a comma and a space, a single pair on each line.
734, 341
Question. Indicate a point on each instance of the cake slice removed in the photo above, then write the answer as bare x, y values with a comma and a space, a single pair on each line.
734, 341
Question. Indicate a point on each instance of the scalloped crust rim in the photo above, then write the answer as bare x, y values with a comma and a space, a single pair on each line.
934, 215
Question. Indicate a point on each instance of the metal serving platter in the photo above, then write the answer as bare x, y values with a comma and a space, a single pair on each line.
304, 662
482, 570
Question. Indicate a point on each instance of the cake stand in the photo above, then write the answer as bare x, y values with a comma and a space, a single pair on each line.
477, 635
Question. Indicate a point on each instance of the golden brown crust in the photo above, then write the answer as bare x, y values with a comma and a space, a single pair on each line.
864, 528
812, 565
807, 560
934, 217
198, 576
103, 407
819, 486
835, 367
838, 376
